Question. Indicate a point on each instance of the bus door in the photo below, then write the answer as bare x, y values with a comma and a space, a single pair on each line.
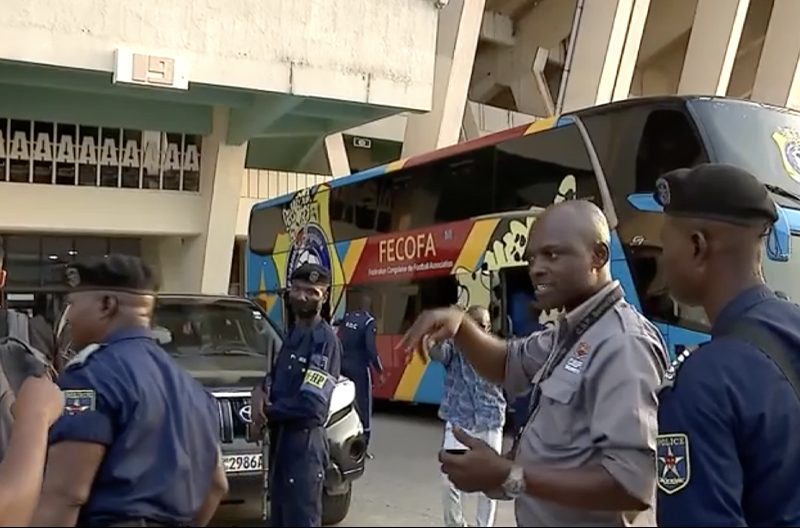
519, 318
631, 146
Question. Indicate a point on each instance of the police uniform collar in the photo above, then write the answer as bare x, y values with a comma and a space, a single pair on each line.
741, 304
577, 314
128, 333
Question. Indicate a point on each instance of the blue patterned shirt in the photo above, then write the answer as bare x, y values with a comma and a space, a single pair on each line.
469, 400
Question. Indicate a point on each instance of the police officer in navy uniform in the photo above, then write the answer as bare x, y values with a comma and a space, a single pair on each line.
300, 387
357, 332
138, 443
727, 452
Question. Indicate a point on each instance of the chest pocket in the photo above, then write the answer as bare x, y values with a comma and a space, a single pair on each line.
559, 414
293, 370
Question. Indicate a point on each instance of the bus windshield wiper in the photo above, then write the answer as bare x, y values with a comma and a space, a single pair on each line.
780, 191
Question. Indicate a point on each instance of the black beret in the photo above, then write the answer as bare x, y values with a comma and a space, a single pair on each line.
716, 191
114, 272
313, 274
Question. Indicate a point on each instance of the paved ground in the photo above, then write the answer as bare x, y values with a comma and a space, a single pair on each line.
402, 485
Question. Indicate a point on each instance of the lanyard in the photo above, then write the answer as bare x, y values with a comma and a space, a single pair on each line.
565, 341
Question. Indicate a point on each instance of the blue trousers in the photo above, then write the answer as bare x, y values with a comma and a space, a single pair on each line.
297, 476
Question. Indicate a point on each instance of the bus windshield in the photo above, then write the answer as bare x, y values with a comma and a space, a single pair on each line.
763, 139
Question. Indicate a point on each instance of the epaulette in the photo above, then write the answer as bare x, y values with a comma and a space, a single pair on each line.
80, 358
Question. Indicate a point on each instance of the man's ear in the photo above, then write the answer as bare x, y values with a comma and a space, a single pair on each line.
700, 245
601, 255
109, 305
3, 276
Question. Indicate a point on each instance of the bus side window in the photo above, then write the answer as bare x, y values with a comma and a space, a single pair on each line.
543, 168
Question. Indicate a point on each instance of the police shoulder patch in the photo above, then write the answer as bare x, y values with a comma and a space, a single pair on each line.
79, 401
672, 462
315, 378
81, 357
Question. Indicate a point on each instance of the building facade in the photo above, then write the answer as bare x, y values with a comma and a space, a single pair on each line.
152, 129
131, 126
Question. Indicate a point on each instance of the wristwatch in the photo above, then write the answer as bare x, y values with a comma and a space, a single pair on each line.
514, 485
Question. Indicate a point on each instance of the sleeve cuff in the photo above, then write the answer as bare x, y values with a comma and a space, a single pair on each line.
635, 471
91, 427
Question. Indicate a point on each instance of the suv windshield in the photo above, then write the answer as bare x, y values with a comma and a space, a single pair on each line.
201, 327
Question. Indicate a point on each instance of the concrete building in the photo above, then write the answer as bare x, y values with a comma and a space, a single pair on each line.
153, 129
537, 58
147, 127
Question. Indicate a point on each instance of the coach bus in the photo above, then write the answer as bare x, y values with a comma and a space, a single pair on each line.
451, 226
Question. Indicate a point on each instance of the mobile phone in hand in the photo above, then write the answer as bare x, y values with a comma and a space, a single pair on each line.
456, 451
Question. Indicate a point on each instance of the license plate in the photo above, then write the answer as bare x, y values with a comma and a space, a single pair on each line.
240, 463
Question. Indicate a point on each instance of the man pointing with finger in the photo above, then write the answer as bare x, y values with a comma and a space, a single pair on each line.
586, 453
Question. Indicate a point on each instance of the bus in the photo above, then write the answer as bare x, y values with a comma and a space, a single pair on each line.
451, 226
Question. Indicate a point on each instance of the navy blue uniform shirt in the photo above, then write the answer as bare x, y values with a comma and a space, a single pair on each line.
304, 376
728, 448
357, 332
159, 426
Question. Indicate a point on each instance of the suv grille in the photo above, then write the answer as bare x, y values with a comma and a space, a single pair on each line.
234, 415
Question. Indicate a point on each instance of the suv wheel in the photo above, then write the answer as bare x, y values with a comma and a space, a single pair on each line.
335, 507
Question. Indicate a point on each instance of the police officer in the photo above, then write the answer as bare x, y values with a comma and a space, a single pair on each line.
728, 453
357, 332
138, 443
300, 388
585, 455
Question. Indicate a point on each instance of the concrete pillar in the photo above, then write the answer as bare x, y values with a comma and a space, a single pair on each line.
202, 264
456, 44
712, 48
602, 55
778, 75
337, 155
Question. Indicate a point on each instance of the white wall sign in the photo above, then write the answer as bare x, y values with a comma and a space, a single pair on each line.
150, 70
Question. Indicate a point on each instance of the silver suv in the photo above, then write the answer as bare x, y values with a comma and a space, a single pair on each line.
227, 343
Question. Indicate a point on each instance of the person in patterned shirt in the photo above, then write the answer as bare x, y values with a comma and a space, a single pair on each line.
475, 405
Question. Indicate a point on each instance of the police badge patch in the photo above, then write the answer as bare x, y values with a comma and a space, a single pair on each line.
662, 192
78, 401
672, 462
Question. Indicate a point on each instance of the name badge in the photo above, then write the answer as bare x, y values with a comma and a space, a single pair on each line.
574, 365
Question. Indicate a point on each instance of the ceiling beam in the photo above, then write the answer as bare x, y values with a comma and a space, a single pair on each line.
245, 123
497, 28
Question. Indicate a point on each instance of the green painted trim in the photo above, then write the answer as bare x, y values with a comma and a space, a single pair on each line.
30, 75
43, 104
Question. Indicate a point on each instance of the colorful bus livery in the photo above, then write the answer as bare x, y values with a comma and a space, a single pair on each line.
451, 226
405, 273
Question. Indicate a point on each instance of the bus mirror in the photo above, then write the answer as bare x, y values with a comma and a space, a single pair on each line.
644, 202
779, 241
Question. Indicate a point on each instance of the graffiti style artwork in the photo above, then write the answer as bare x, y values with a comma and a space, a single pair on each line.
471, 250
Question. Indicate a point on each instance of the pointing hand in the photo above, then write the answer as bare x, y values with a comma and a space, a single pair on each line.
432, 326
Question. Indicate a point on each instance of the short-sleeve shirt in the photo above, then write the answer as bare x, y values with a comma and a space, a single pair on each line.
597, 407
469, 401
159, 426
728, 450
